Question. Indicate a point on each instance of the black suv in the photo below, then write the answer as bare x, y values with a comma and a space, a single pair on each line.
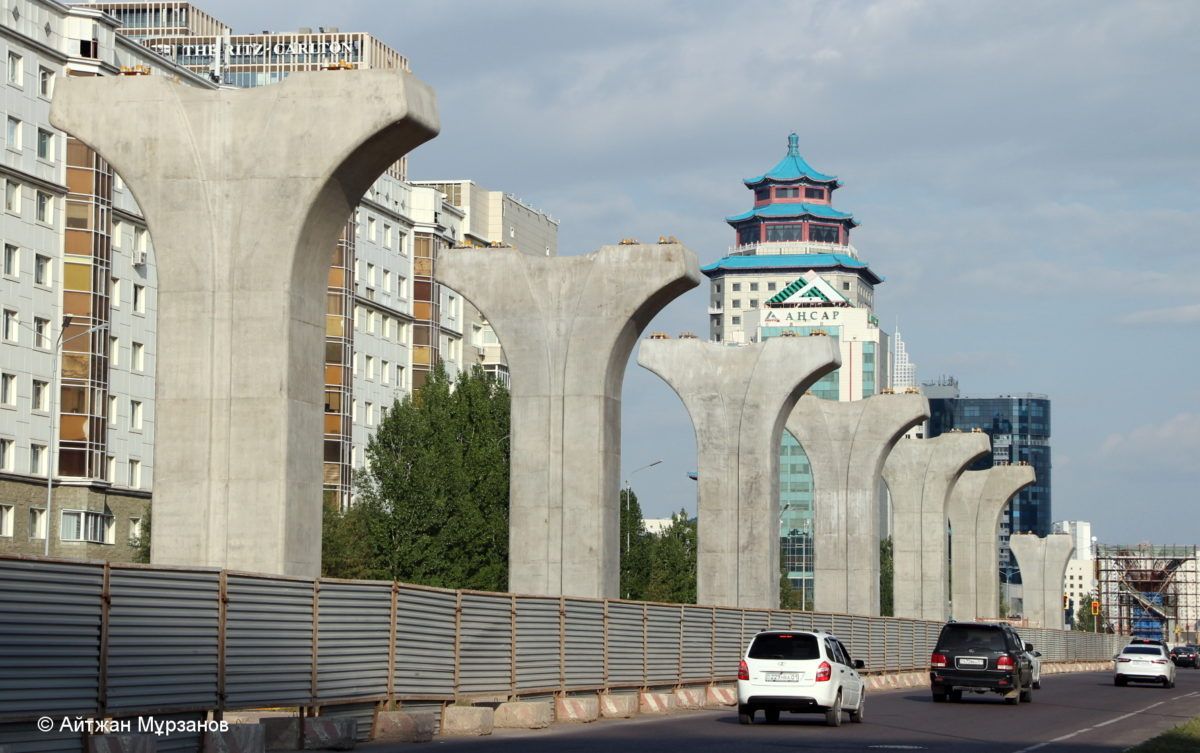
1185, 656
979, 657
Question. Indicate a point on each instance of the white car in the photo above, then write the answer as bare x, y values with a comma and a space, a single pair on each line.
801, 672
1144, 662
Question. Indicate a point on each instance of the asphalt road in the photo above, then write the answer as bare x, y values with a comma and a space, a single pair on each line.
1071, 713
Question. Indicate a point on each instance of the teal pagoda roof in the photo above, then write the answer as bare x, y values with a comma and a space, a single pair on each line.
791, 168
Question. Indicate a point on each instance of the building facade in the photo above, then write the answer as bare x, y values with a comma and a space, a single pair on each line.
1079, 584
793, 271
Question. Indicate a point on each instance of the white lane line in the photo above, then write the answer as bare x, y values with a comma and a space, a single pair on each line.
1069, 735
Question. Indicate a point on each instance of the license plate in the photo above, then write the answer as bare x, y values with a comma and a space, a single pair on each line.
964, 662
781, 676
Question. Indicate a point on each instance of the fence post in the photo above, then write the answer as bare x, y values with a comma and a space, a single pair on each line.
645, 645
105, 606
604, 622
562, 644
222, 619
457, 639
712, 646
316, 633
512, 655
391, 657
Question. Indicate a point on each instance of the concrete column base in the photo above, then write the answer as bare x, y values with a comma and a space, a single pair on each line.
689, 698
281, 732
122, 744
650, 702
720, 695
401, 726
239, 738
524, 715
618, 705
329, 733
577, 709
467, 720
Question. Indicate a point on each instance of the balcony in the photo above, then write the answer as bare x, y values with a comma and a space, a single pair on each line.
765, 248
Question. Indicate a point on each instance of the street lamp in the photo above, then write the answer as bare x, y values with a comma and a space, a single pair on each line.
59, 342
628, 493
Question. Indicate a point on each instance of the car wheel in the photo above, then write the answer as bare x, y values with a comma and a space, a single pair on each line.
771, 715
955, 695
745, 715
1027, 695
939, 696
1016, 697
857, 714
833, 717
1168, 683
1119, 682
1037, 684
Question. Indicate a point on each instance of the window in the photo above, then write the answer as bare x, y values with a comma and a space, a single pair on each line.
135, 473
753, 286
762, 194
45, 207
399, 375
45, 145
785, 233
385, 372
371, 275
37, 523
12, 260
135, 530
139, 298
80, 525
135, 414
371, 229
6, 520
753, 303
16, 68
6, 454
735, 320
370, 411
387, 237
814, 193
736, 303
787, 193
823, 233
387, 281
112, 409
370, 367
14, 133
37, 459
737, 287
110, 468
770, 286
139, 357
12, 197
387, 328
41, 395
10, 325
46, 82
8, 390
41, 329
114, 292
41, 270
114, 350
845, 286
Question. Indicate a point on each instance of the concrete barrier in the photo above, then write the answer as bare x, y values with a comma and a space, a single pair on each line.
329, 733
577, 709
467, 720
689, 698
650, 702
401, 726
122, 744
239, 738
618, 705
720, 695
281, 732
524, 715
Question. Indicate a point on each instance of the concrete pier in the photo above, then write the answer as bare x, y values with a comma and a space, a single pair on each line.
920, 474
846, 444
245, 201
1043, 564
738, 399
976, 501
568, 325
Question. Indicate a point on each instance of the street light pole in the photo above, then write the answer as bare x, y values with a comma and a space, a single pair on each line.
55, 388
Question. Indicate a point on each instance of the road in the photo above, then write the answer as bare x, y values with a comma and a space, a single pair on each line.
1072, 713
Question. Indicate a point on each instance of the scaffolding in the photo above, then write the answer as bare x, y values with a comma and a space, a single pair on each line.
1149, 591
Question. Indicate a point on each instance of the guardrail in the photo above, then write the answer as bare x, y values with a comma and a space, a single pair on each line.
98, 640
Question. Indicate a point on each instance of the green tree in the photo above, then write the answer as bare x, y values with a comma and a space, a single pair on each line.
141, 543
887, 571
789, 597
432, 504
636, 545
673, 563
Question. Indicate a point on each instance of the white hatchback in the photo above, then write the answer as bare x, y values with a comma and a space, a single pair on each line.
1144, 662
801, 672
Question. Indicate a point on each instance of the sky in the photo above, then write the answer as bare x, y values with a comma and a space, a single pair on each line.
1026, 175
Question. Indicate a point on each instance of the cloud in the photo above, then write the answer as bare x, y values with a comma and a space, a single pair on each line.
1189, 314
1172, 444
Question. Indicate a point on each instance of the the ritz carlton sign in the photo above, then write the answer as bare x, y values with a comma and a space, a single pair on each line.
322, 49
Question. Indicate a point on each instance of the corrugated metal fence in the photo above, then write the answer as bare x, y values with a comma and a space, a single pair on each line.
101, 640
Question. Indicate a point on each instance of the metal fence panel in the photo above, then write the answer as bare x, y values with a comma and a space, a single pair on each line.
269, 641
538, 647
822, 621
662, 644
730, 646
697, 660
625, 649
354, 630
584, 644
163, 639
363, 713
753, 623
485, 644
50, 618
424, 643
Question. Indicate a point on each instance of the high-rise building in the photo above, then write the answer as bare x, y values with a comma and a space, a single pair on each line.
794, 271
1019, 429
904, 371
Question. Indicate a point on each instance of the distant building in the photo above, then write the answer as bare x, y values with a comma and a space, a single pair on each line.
1079, 584
904, 371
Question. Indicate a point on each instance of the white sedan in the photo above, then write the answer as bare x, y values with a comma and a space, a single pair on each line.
1144, 662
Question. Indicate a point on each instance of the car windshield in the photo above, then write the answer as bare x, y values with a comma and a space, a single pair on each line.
793, 646
1152, 650
965, 637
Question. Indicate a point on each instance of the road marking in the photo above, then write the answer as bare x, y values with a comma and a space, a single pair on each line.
897, 747
1114, 720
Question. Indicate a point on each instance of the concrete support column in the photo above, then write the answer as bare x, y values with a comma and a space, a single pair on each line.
846, 444
568, 325
1043, 563
976, 501
739, 399
920, 474
245, 199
